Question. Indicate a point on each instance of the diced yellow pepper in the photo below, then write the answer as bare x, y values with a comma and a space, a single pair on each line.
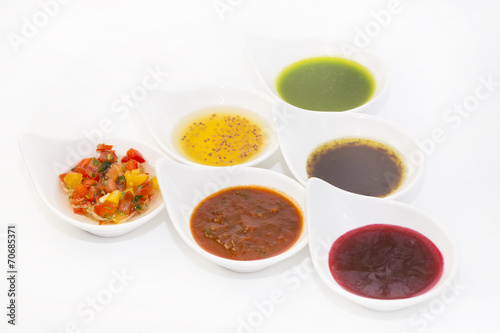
134, 178
104, 197
156, 186
114, 197
127, 190
72, 180
118, 217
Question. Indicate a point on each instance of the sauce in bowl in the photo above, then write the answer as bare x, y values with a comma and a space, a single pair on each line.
221, 136
385, 262
358, 165
247, 223
326, 84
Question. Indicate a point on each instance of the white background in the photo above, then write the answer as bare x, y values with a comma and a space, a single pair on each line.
63, 78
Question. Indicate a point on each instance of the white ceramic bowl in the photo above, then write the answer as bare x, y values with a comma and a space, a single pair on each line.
332, 212
164, 110
46, 158
301, 131
271, 56
184, 186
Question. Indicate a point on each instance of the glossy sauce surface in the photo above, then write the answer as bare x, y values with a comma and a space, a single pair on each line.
358, 165
385, 262
221, 136
247, 223
326, 84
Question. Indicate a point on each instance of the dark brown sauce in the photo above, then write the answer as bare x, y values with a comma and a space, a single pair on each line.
358, 165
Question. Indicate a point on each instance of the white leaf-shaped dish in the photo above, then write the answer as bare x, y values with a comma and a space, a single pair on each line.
165, 109
301, 131
332, 212
184, 186
46, 158
270, 56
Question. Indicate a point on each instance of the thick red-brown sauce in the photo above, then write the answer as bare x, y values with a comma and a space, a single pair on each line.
385, 262
247, 223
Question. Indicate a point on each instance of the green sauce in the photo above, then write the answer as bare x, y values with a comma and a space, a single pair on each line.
326, 84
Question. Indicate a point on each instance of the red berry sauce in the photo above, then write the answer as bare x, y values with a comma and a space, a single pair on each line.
385, 262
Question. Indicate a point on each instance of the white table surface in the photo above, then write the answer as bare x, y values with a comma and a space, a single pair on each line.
66, 75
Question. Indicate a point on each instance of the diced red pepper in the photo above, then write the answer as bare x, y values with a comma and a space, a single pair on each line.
134, 154
83, 163
79, 195
87, 173
92, 194
93, 168
106, 209
132, 164
125, 205
88, 182
143, 200
108, 155
146, 189
103, 146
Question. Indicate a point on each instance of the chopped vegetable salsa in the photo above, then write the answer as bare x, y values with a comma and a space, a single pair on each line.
108, 190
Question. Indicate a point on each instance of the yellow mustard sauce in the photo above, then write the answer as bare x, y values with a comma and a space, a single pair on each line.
221, 136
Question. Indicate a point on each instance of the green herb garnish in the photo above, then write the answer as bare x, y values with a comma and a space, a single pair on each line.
104, 166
